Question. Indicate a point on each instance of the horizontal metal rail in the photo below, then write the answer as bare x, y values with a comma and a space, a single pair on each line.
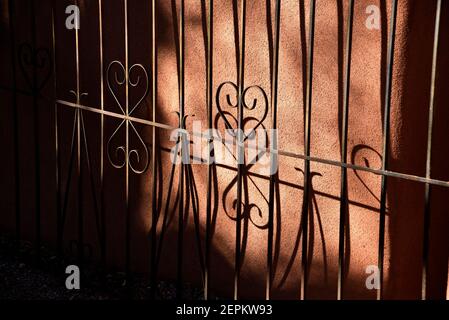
280, 152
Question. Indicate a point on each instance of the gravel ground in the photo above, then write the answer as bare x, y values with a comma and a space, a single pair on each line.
21, 278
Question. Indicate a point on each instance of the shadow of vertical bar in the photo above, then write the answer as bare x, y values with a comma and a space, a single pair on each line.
210, 145
273, 154
37, 150
57, 155
240, 157
308, 115
179, 287
344, 151
11, 19
386, 145
427, 191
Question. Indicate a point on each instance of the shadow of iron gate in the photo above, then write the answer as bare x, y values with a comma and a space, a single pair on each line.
120, 78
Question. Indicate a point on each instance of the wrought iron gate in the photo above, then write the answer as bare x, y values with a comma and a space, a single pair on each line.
28, 60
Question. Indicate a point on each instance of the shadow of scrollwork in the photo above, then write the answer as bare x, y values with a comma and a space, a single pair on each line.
248, 208
357, 153
224, 114
251, 212
84, 250
228, 117
313, 209
34, 61
191, 197
122, 154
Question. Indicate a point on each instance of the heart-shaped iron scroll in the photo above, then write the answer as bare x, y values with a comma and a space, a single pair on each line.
114, 153
34, 60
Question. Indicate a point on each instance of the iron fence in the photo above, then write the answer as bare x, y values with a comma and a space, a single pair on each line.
125, 76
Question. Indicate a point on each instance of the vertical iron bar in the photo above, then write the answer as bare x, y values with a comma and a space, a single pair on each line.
182, 151
385, 152
153, 155
102, 211
15, 120
273, 155
344, 151
210, 145
308, 113
128, 218
79, 155
57, 156
427, 194
36, 135
241, 152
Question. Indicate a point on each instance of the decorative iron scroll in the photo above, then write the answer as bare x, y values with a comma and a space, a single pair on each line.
120, 155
